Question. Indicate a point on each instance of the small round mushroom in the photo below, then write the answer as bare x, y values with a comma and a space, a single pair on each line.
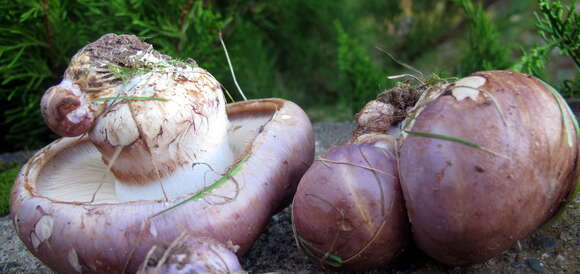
188, 254
163, 155
348, 213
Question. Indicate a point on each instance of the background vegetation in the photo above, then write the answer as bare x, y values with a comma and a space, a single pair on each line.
329, 56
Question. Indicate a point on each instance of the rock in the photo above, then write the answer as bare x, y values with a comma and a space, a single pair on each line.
331, 134
560, 260
544, 242
8, 267
566, 236
535, 265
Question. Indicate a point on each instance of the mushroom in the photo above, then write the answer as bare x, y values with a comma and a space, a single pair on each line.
152, 151
188, 254
155, 145
348, 213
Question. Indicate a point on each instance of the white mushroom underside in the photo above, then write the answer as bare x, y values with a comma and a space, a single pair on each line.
75, 174
185, 179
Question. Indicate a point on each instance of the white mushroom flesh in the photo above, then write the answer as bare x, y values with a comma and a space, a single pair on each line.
183, 139
468, 87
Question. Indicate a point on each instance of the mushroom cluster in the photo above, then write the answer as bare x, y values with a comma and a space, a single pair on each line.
150, 151
472, 167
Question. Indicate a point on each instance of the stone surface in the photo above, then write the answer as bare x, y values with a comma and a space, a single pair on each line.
553, 249
544, 242
14, 257
535, 265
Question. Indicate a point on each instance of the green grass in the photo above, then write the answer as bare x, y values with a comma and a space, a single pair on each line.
8, 174
456, 140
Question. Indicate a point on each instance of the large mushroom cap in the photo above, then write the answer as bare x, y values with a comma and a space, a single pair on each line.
467, 205
51, 206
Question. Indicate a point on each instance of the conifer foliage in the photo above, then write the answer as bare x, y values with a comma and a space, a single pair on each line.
486, 50
281, 48
559, 27
321, 54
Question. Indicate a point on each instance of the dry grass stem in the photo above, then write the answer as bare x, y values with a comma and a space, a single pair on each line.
324, 160
231, 67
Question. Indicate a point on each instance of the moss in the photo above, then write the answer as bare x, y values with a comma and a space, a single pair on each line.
7, 178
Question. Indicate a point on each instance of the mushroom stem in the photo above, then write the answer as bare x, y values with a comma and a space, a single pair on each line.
185, 179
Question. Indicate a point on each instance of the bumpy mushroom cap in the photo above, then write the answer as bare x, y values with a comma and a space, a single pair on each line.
157, 122
271, 139
100, 69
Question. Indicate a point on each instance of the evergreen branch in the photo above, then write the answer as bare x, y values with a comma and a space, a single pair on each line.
533, 62
560, 25
182, 25
49, 34
451, 31
185, 11
485, 51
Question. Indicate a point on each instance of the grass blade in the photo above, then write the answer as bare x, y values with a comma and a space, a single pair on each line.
336, 260
231, 67
204, 192
324, 160
456, 140
564, 108
228, 94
